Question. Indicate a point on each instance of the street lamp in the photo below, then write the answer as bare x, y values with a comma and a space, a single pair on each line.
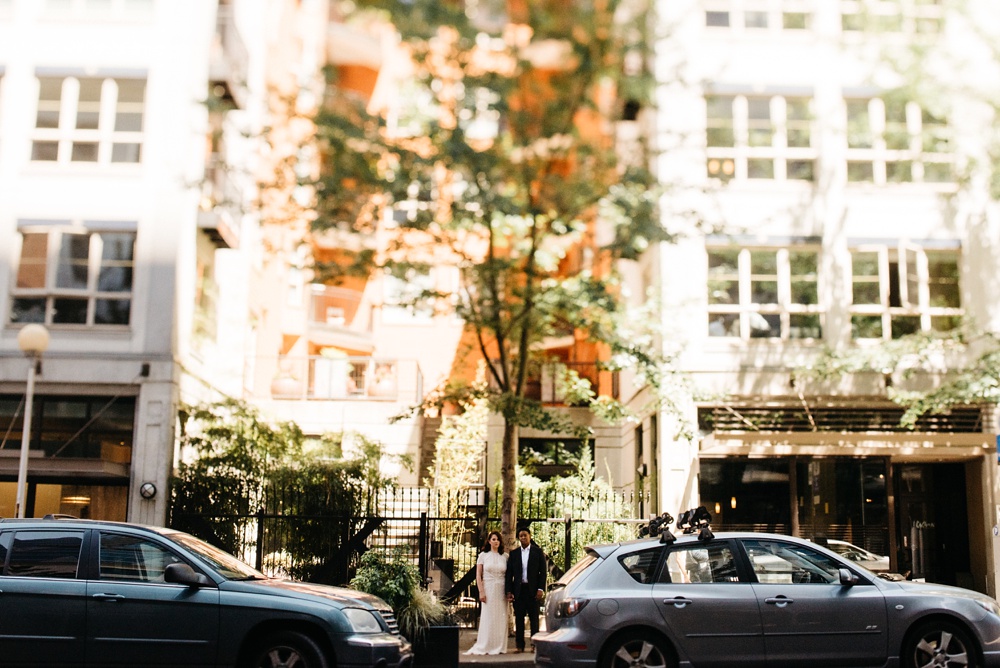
33, 340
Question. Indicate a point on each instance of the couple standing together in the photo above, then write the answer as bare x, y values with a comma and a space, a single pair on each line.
518, 577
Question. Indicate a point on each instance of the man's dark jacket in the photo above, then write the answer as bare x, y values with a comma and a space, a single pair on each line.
536, 570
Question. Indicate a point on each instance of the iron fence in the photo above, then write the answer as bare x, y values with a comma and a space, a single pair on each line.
440, 532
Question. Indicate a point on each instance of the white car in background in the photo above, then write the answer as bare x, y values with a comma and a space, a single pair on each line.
859, 555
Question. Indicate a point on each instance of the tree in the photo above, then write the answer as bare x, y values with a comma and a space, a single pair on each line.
501, 160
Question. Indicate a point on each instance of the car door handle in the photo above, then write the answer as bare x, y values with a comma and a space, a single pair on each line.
678, 601
108, 597
780, 601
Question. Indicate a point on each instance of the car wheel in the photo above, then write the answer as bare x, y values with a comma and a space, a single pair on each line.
638, 650
287, 649
940, 644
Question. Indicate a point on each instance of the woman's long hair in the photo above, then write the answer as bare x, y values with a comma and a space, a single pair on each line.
486, 545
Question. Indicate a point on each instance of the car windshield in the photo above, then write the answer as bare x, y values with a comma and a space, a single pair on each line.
224, 563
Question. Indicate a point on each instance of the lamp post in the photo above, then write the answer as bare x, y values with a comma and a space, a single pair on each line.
33, 340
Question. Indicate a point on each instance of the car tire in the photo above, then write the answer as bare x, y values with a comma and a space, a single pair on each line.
637, 649
939, 643
286, 648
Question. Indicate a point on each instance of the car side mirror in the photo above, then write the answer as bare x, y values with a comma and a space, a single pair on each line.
847, 578
185, 575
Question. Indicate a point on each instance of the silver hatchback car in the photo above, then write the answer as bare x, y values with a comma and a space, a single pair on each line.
751, 599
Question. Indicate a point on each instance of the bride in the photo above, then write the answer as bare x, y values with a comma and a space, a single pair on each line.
491, 569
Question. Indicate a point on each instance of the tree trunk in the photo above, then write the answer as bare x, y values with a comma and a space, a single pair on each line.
508, 469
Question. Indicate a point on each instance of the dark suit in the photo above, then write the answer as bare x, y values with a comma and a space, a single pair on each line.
525, 587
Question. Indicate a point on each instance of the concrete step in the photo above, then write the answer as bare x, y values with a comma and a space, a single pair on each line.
467, 638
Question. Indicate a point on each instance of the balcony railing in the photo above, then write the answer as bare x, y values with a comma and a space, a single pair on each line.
334, 378
544, 380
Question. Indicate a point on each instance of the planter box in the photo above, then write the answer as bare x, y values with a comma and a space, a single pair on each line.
437, 647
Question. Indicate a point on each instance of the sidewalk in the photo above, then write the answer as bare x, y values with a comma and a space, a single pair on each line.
467, 638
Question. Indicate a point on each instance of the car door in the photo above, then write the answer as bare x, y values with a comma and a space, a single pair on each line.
808, 616
42, 602
712, 614
136, 618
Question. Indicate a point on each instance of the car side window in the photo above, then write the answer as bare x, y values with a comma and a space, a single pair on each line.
5, 539
641, 565
777, 562
699, 564
133, 559
45, 554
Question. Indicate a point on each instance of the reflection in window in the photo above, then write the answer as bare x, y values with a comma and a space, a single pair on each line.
133, 559
96, 120
764, 293
699, 564
72, 275
774, 562
45, 554
759, 137
904, 290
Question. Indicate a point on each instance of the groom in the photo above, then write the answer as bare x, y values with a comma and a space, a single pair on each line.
525, 584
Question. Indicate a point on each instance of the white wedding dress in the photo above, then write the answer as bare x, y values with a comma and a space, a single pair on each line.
492, 637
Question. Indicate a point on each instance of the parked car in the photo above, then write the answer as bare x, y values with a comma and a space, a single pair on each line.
862, 557
88, 593
749, 599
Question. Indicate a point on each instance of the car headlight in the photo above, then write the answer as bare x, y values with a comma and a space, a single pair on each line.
362, 621
571, 606
989, 605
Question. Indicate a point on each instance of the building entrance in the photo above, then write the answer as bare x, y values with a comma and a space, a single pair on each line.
932, 526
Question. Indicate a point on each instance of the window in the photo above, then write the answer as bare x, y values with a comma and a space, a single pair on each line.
902, 290
774, 562
755, 16
911, 17
407, 298
759, 137
764, 293
45, 554
96, 427
699, 564
895, 141
98, 9
89, 120
133, 559
73, 275
548, 458
641, 566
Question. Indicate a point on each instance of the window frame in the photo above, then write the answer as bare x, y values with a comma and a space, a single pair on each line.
739, 14
55, 234
67, 136
907, 257
877, 128
736, 162
745, 309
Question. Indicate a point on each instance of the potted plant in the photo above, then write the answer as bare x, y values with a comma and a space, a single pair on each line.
422, 619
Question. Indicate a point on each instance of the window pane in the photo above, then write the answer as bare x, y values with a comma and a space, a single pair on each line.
905, 324
938, 172
765, 326
719, 112
866, 293
865, 264
764, 262
47, 151
125, 153
112, 311
860, 171
804, 292
84, 152
115, 279
724, 324
805, 326
118, 246
45, 554
776, 562
755, 19
795, 20
760, 169
764, 292
25, 310
866, 327
717, 19
131, 90
87, 120
132, 559
34, 252
642, 565
859, 134
47, 118
73, 261
723, 292
69, 311
712, 564
945, 323
723, 262
898, 172
942, 271
50, 89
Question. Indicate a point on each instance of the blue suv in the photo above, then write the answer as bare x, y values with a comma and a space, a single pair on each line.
89, 593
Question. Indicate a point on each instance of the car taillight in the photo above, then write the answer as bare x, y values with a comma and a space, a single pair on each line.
571, 606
